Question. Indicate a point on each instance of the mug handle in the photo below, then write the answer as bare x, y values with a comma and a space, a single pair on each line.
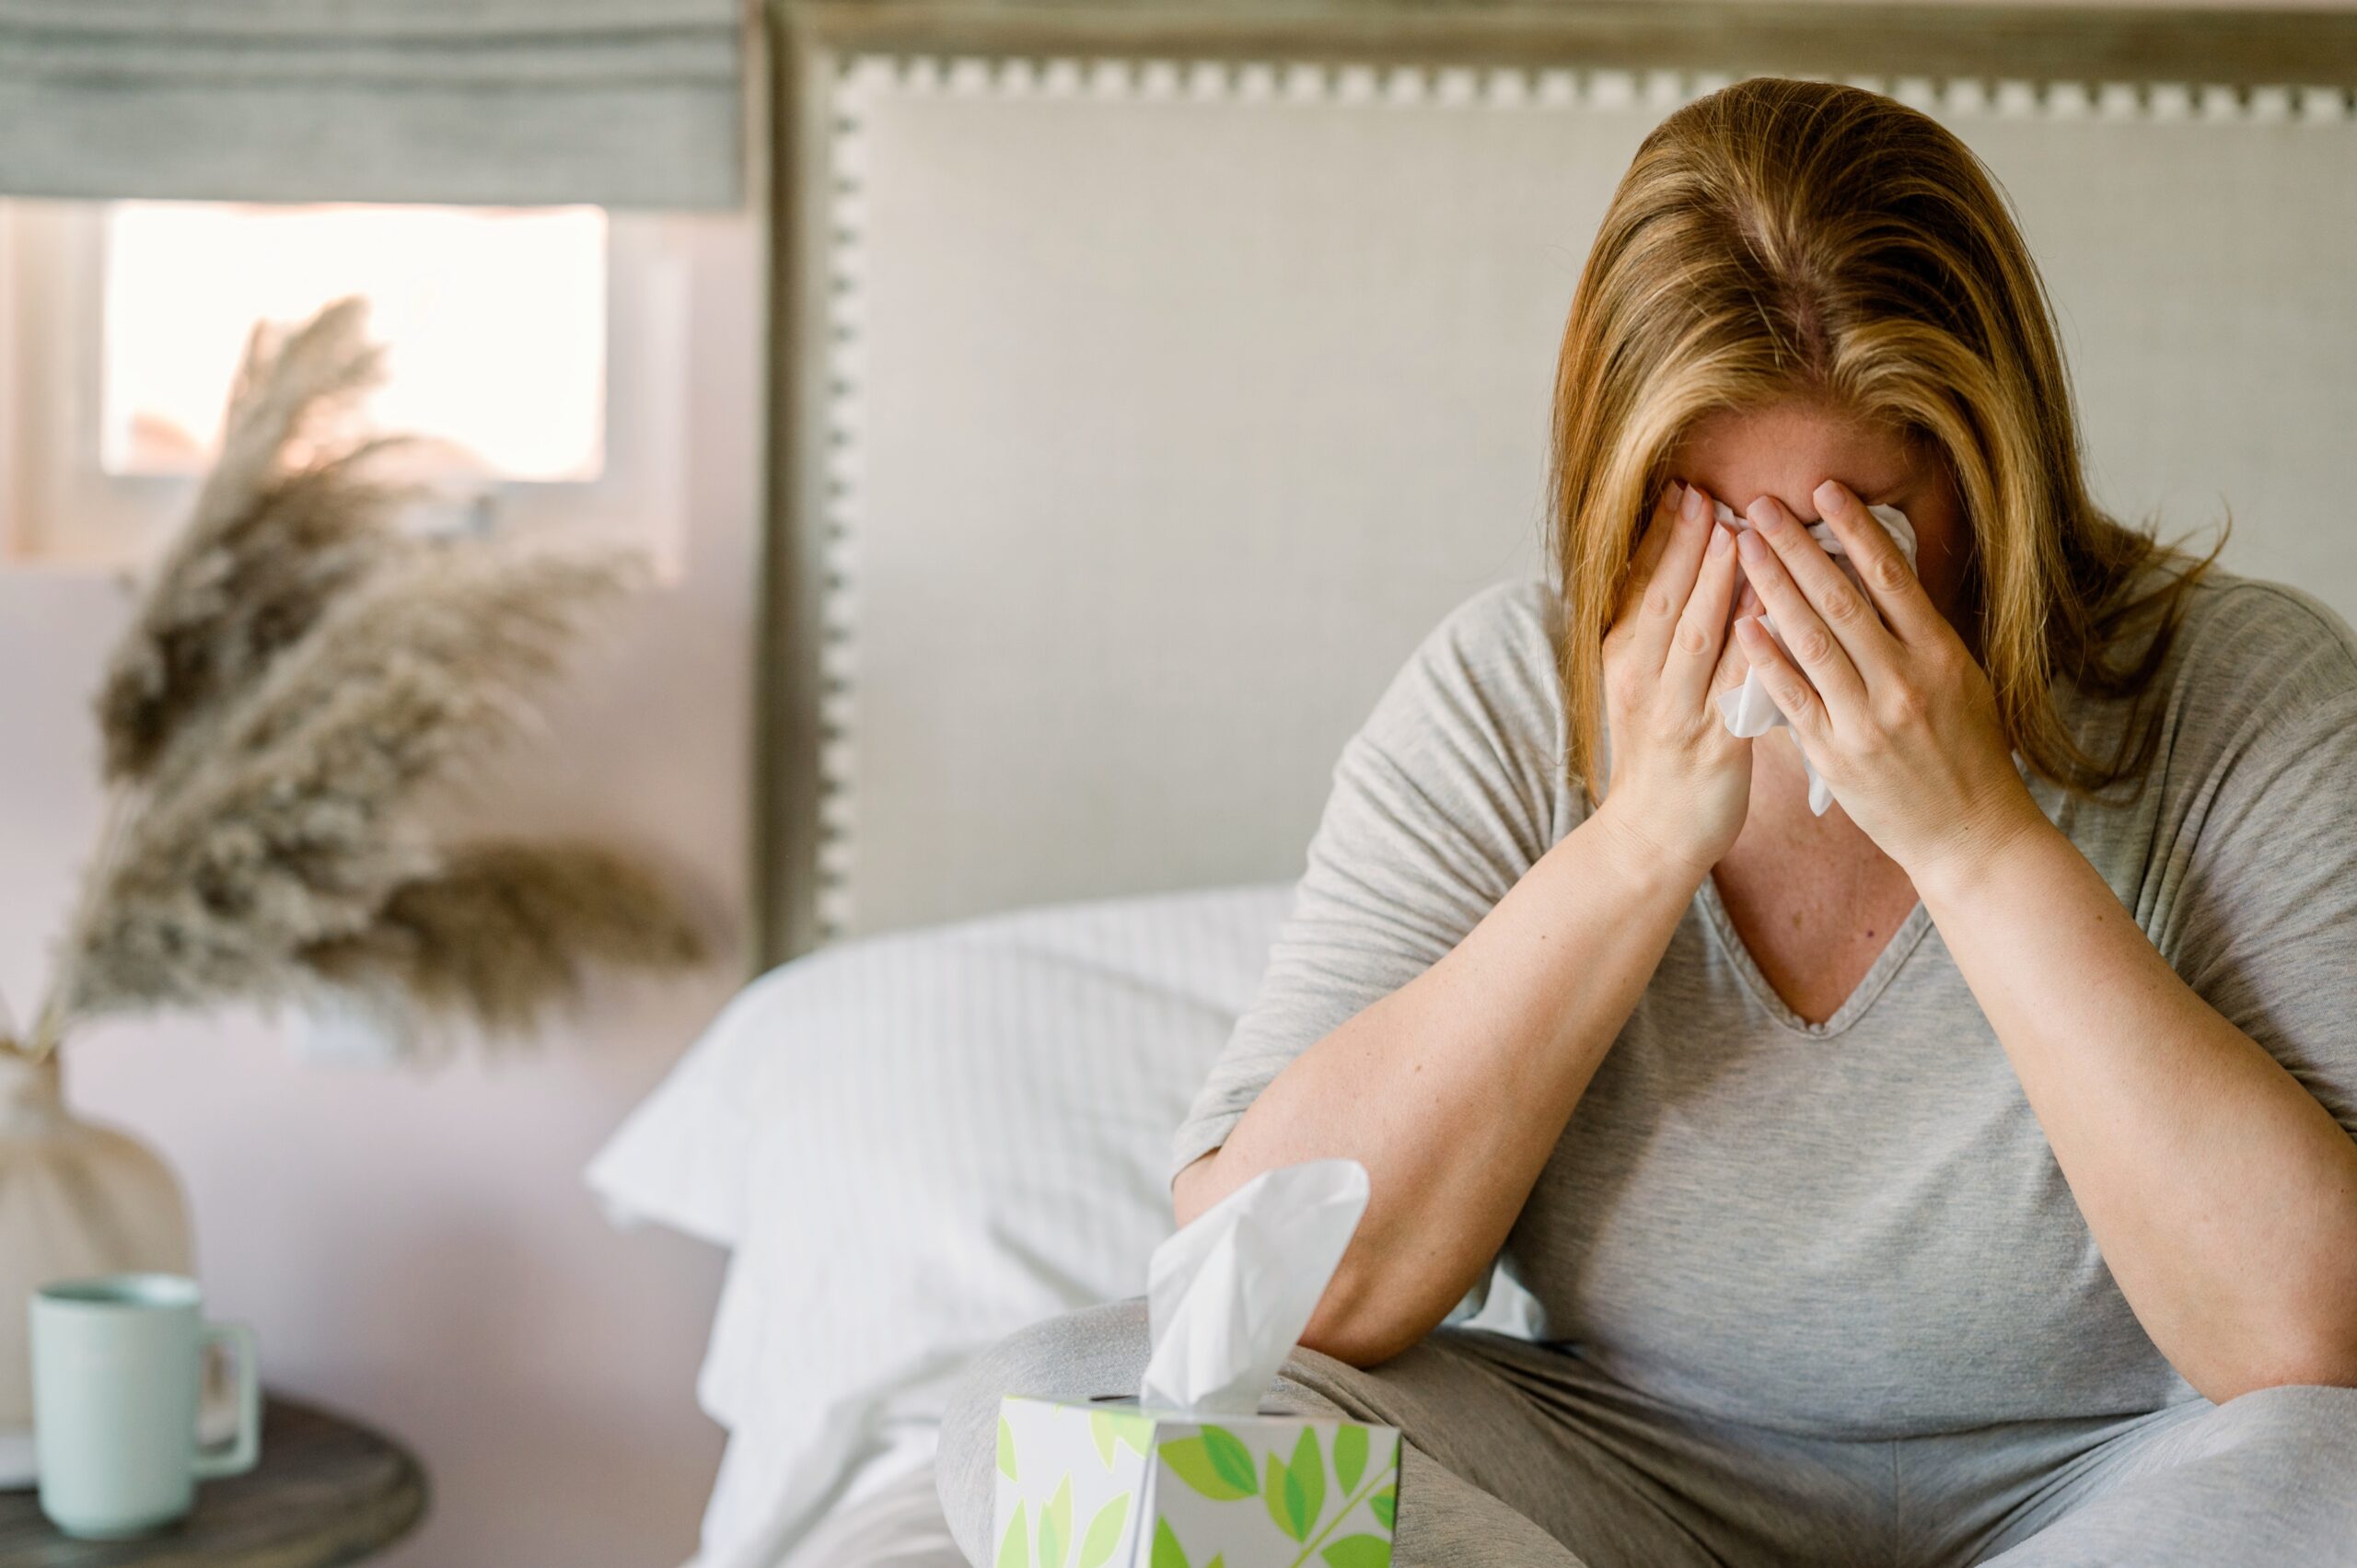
240, 1453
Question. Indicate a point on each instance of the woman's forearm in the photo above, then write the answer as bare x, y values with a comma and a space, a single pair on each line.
1454, 1089
2222, 1195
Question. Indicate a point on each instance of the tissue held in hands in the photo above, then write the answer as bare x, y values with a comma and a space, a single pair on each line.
1748, 711
1191, 1471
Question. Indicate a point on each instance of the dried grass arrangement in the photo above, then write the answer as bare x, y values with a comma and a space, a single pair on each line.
300, 671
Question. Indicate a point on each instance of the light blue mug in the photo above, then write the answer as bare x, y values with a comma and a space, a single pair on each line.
117, 1364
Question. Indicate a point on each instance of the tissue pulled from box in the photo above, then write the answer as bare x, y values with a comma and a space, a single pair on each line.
1229, 1294
1748, 711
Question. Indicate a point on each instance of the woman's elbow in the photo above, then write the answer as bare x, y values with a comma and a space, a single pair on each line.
1358, 1321
2311, 1348
1357, 1344
2278, 1372
1359, 1318
2328, 1359
2319, 1341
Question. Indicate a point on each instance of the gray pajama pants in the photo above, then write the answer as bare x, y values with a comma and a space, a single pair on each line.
1522, 1455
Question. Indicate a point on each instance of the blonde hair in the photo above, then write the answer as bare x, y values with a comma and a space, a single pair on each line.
1783, 238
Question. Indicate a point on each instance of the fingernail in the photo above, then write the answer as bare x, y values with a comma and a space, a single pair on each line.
1720, 540
1694, 507
1754, 548
1827, 496
1765, 514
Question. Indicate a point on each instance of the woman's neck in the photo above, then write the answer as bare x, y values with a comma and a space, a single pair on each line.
1812, 899
1780, 820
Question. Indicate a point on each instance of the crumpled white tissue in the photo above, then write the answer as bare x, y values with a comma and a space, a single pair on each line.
1747, 710
1229, 1294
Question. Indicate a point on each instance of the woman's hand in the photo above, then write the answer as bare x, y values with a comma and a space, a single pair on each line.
1681, 783
1901, 723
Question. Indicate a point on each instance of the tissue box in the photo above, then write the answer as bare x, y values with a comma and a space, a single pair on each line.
1109, 1485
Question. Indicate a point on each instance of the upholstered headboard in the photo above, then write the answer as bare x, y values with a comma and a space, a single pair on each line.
1144, 395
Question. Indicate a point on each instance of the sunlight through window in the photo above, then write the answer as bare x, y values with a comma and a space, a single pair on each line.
493, 321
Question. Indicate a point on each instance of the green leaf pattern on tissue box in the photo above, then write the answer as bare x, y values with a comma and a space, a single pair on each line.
1098, 1486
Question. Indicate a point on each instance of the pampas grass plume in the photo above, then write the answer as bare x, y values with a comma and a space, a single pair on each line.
297, 675
501, 931
283, 522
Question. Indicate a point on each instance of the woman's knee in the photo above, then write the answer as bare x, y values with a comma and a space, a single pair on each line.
1095, 1351
2261, 1477
1056, 1358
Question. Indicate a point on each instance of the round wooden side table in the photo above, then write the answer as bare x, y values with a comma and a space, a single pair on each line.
328, 1491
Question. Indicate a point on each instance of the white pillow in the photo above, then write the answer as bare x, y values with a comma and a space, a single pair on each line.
919, 1142
681, 1156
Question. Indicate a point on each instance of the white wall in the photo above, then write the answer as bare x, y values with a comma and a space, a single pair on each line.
420, 1250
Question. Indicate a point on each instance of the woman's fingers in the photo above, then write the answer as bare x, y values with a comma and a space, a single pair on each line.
1785, 686
1891, 582
1846, 612
1672, 582
1776, 550
1647, 555
1700, 637
1729, 672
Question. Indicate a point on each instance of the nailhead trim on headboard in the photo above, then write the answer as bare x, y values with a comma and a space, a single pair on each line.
838, 554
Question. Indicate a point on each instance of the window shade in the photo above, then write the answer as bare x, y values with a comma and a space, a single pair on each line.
631, 103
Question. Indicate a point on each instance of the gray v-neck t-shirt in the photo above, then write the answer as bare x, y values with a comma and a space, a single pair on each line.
1853, 1228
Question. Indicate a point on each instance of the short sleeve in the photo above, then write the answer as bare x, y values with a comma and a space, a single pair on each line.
2261, 912
1452, 788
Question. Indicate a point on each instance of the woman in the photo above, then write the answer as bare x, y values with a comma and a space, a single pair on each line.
1966, 1174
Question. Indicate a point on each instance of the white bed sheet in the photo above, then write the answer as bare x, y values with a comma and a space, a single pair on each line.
890, 1516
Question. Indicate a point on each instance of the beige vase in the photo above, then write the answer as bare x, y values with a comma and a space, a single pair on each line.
75, 1200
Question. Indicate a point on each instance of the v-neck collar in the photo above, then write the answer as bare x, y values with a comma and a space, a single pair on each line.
1878, 977
2050, 800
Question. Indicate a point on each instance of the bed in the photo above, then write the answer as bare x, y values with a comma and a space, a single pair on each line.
1149, 379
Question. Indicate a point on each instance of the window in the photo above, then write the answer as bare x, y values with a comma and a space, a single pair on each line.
495, 323
541, 351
